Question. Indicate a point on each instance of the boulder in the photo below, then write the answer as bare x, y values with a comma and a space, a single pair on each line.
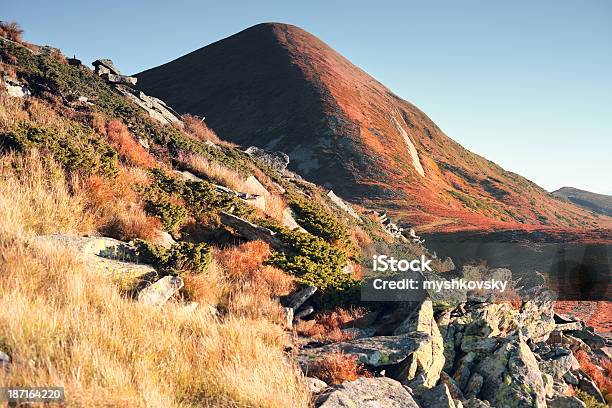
289, 315
378, 392
453, 387
315, 386
5, 361
476, 403
511, 377
592, 339
159, 292
474, 385
439, 397
154, 107
559, 364
307, 311
342, 205
15, 89
428, 360
251, 231
102, 66
565, 402
109, 256
120, 79
253, 186
586, 384
570, 378
378, 351
276, 160
300, 297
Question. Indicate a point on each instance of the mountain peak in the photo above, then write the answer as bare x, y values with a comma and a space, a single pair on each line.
278, 87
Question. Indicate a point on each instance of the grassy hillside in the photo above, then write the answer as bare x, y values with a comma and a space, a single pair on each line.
76, 157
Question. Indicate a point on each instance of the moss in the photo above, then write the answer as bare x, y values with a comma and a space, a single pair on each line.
589, 400
180, 258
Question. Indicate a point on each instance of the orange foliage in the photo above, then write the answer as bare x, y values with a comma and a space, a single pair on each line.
11, 30
197, 128
245, 264
328, 326
337, 368
128, 148
601, 375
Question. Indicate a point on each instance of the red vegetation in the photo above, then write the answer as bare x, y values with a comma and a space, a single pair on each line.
128, 148
337, 368
362, 140
328, 326
599, 374
597, 314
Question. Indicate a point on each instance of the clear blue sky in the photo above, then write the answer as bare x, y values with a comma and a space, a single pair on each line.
527, 84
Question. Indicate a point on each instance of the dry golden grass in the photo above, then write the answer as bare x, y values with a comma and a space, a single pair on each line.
197, 128
35, 198
232, 179
128, 148
64, 324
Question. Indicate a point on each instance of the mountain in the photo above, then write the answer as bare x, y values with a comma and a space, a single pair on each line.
599, 203
280, 88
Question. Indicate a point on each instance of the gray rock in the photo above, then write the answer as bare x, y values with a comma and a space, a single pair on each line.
289, 316
105, 66
565, 402
15, 89
251, 231
476, 403
586, 384
479, 345
154, 107
358, 333
379, 351
592, 339
439, 397
474, 385
315, 386
512, 377
429, 359
276, 160
5, 361
301, 296
120, 79
557, 366
570, 378
378, 392
159, 292
307, 311
464, 368
342, 205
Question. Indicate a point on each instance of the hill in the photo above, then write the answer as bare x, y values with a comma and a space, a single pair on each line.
353, 134
599, 203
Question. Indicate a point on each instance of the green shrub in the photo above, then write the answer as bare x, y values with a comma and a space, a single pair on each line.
172, 216
318, 221
180, 258
589, 400
313, 261
75, 148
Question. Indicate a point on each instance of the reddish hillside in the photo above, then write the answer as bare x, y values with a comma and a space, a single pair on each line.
278, 87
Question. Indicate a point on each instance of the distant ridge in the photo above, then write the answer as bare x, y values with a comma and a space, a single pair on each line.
599, 203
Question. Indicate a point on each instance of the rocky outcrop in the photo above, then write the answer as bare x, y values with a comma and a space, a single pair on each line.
14, 88
427, 362
379, 392
565, 402
438, 396
156, 108
251, 231
511, 377
342, 205
275, 160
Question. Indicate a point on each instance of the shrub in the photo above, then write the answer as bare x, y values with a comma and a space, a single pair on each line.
124, 143
74, 147
180, 258
318, 221
328, 326
596, 373
313, 261
11, 31
171, 215
337, 368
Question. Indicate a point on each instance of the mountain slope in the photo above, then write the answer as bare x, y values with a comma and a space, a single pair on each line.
278, 87
599, 203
